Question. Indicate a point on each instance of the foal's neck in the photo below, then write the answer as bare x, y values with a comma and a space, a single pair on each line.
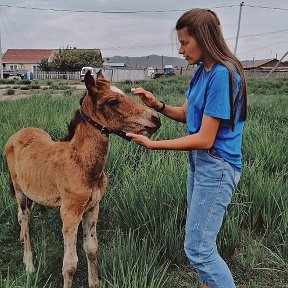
90, 147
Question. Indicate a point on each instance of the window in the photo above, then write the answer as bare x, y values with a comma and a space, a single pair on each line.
14, 67
35, 67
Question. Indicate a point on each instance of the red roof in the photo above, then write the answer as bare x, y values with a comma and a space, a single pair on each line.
22, 56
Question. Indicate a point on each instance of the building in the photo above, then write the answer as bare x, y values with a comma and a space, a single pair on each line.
264, 65
21, 61
110, 65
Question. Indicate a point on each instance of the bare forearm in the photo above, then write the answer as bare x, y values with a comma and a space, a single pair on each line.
174, 113
203, 139
185, 143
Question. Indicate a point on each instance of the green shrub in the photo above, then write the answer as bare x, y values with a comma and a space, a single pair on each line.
10, 91
35, 86
26, 82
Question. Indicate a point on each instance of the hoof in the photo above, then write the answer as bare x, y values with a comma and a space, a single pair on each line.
29, 267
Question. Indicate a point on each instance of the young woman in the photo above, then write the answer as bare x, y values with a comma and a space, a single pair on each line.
214, 112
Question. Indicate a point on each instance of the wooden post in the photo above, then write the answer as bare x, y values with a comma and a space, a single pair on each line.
238, 29
275, 67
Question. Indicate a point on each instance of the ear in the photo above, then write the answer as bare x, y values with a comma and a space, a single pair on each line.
100, 75
89, 80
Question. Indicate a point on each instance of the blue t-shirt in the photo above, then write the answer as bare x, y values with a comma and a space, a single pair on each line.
208, 94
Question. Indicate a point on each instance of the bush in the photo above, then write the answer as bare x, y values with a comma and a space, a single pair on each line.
26, 82
35, 86
10, 91
8, 81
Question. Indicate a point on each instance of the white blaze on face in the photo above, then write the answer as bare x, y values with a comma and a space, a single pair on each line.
117, 90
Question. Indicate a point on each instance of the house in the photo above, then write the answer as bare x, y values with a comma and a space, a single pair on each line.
264, 65
20, 61
114, 65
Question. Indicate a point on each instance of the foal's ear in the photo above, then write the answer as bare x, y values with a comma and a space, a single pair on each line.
89, 80
100, 75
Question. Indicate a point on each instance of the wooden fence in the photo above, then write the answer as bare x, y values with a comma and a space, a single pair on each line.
113, 75
49, 75
258, 74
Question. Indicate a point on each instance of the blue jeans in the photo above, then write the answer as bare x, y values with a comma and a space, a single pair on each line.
211, 182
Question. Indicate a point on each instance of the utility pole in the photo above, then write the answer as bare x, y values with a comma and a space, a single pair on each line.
275, 67
238, 29
1, 63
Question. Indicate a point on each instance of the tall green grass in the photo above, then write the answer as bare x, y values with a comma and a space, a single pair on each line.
132, 263
142, 215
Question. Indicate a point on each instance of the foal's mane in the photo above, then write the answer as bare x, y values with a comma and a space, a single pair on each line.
76, 119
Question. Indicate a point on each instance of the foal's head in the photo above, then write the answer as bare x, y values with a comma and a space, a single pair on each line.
110, 107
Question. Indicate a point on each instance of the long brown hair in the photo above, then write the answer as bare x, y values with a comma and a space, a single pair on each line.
204, 26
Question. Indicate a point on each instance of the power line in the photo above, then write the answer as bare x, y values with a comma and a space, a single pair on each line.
106, 12
93, 11
136, 11
137, 46
9, 23
263, 47
5, 27
166, 44
257, 35
266, 7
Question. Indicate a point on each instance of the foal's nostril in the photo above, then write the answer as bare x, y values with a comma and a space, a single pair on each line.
156, 120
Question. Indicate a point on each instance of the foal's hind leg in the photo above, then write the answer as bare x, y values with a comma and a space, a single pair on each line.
90, 244
71, 219
24, 205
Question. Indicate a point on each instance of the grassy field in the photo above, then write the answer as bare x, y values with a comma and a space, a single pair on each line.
142, 216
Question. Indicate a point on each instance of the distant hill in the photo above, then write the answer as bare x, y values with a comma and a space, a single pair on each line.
154, 61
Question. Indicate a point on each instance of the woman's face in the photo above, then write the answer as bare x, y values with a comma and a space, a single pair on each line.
189, 47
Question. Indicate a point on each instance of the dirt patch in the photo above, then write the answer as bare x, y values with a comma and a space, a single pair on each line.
19, 94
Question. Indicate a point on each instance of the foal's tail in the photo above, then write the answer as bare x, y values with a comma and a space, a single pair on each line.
9, 155
12, 189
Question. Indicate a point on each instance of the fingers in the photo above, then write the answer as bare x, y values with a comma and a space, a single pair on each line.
136, 137
139, 139
147, 97
138, 90
142, 92
132, 135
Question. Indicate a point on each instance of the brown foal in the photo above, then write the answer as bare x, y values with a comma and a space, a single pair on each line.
69, 173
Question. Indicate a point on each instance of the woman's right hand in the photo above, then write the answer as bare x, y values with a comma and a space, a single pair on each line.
147, 97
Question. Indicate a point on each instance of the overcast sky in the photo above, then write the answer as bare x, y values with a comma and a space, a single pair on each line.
263, 29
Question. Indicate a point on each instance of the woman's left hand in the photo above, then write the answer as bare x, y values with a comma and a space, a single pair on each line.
141, 140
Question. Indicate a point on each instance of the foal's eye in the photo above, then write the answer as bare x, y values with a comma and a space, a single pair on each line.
113, 103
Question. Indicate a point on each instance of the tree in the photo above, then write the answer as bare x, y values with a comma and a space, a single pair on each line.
44, 65
68, 59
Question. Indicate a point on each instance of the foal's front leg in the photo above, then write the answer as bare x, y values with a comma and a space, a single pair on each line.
90, 244
71, 220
